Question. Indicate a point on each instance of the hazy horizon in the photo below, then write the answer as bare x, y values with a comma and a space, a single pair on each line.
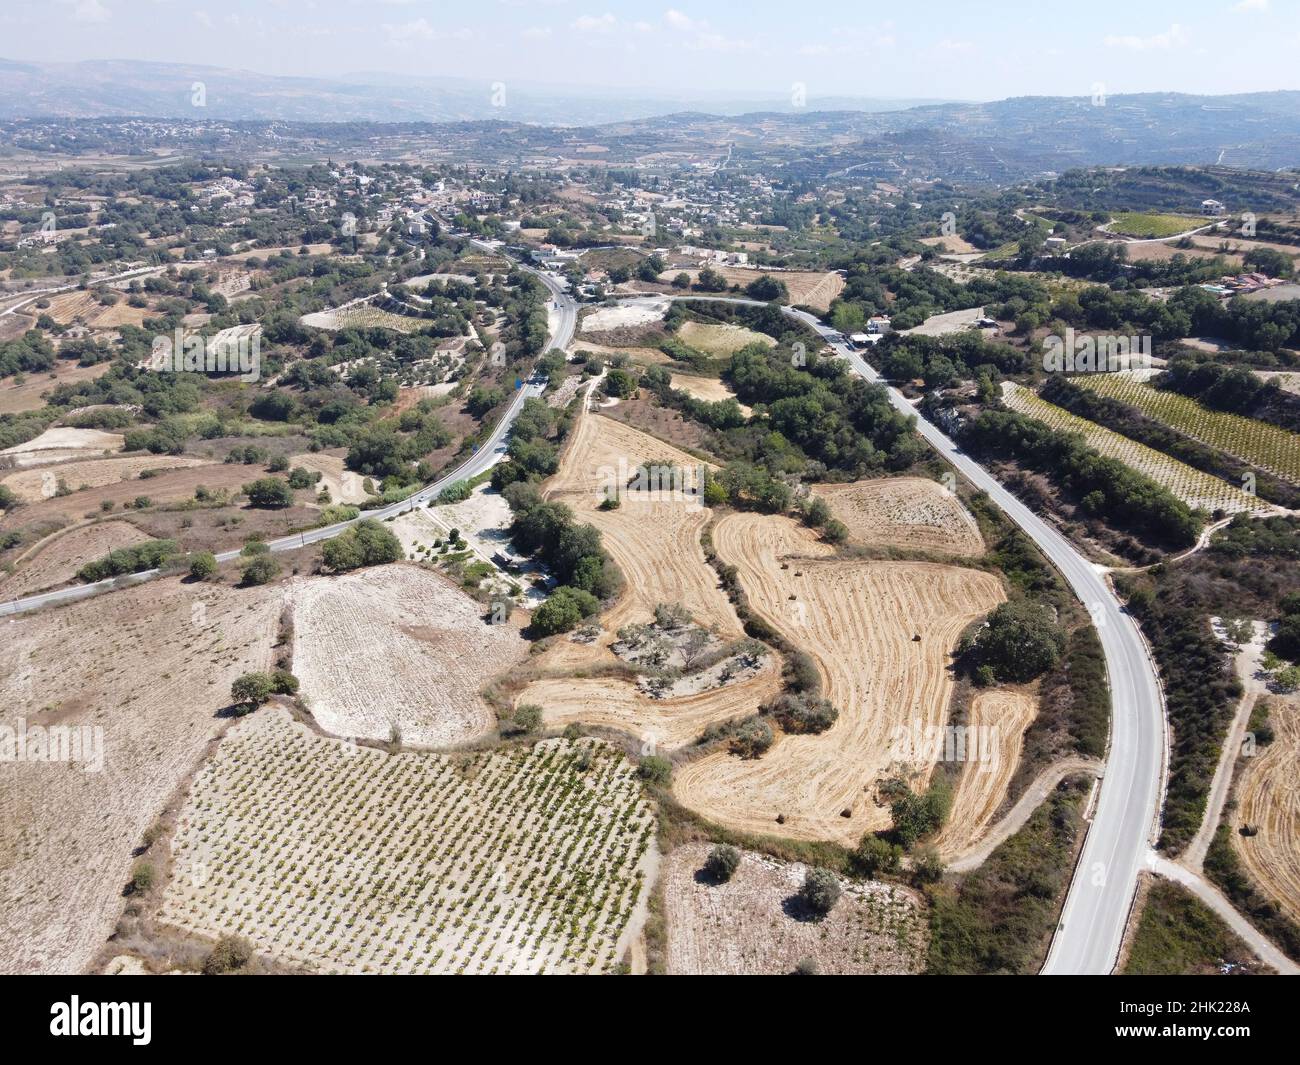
941, 50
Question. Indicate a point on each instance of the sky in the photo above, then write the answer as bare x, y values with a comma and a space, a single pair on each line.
951, 49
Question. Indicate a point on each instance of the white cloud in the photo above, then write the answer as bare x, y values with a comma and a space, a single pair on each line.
537, 33
90, 11
678, 21
948, 44
405, 34
1174, 37
203, 19
594, 23
1250, 5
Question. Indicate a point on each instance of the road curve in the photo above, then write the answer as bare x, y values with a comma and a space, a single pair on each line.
1101, 894
488, 454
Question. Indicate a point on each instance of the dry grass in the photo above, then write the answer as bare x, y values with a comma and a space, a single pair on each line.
61, 556
1003, 716
151, 666
60, 445
397, 647
710, 389
907, 512
344, 486
881, 634
34, 484
27, 396
1268, 799
753, 925
720, 340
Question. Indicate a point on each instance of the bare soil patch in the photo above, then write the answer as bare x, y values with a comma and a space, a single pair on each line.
150, 666
397, 647
32, 485
1268, 800
59, 559
753, 925
907, 512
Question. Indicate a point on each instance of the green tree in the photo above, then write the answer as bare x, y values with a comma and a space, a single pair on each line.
269, 492
820, 891
722, 863
1020, 641
252, 689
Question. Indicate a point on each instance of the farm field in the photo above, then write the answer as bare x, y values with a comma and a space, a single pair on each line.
400, 647
1268, 798
908, 512
152, 667
1193, 487
344, 486
655, 543
748, 925
58, 560
709, 389
1149, 225
27, 396
361, 316
643, 355
1266, 446
30, 485
59, 445
807, 287
345, 859
720, 340
1002, 715
881, 634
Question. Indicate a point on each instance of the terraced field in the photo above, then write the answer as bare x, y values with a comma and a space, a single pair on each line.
345, 859
1193, 487
1267, 446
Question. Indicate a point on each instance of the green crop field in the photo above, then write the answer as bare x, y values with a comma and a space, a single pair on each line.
1192, 486
1265, 446
1138, 224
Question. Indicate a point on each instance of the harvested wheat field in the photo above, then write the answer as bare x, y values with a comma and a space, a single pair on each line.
344, 486
1268, 799
345, 859
709, 389
882, 634
645, 356
720, 340
664, 724
59, 445
150, 666
397, 647
752, 925
994, 739
34, 484
908, 512
60, 556
655, 543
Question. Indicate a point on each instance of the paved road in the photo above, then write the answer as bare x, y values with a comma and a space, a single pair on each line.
1101, 894
489, 453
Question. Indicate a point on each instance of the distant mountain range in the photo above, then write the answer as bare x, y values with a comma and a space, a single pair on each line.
121, 88
66, 107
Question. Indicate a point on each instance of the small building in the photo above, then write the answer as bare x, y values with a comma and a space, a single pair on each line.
1213, 208
878, 324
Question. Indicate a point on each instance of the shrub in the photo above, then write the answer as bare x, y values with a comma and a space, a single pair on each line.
367, 543
802, 713
252, 690
722, 863
284, 682
655, 769
142, 877
203, 565
752, 738
875, 855
820, 891
260, 570
562, 611
527, 718
230, 954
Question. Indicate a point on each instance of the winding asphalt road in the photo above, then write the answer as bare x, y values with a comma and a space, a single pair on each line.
1127, 811
489, 453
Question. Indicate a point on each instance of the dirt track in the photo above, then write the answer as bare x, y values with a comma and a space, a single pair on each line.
59, 559
858, 620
